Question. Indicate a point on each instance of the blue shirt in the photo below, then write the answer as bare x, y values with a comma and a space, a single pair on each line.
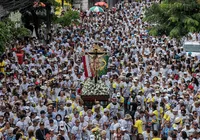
166, 130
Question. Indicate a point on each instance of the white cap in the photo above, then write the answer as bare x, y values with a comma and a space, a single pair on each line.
118, 94
62, 123
37, 118
62, 127
106, 110
51, 129
123, 129
69, 102
92, 137
175, 109
176, 128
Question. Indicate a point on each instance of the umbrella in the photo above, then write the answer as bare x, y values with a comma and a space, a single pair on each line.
101, 4
96, 9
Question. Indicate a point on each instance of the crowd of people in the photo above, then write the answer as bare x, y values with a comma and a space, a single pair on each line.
154, 84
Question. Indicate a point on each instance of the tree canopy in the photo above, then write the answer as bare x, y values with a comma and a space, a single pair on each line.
8, 33
175, 18
68, 18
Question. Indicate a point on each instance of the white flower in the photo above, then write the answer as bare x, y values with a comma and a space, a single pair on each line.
90, 88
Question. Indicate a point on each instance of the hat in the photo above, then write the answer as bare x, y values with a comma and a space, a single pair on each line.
51, 129
103, 132
127, 117
177, 120
123, 129
69, 102
62, 127
187, 124
92, 137
176, 128
67, 117
167, 106
50, 102
175, 109
157, 91
97, 106
118, 94
164, 90
106, 110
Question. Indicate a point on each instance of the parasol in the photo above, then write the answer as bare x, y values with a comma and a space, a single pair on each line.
96, 9
101, 4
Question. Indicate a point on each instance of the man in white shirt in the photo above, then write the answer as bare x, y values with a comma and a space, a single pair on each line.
76, 131
52, 136
22, 124
148, 134
53, 126
43, 118
41, 107
125, 136
104, 119
34, 126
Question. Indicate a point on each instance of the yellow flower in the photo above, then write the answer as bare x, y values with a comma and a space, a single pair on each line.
95, 129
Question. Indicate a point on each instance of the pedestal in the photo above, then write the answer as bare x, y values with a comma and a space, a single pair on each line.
89, 100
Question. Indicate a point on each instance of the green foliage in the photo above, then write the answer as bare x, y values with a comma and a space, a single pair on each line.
8, 32
174, 18
68, 18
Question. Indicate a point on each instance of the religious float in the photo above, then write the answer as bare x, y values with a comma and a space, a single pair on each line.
94, 89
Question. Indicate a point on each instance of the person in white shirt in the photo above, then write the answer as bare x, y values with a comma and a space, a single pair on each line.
96, 120
63, 132
148, 134
76, 131
34, 126
89, 117
22, 124
104, 119
43, 118
52, 136
41, 107
114, 125
127, 123
53, 126
125, 136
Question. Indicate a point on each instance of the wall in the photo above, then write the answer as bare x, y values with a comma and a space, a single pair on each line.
85, 5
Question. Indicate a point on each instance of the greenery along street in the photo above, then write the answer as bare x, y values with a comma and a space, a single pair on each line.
174, 18
8, 33
31, 16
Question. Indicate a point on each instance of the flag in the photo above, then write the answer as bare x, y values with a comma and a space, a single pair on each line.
86, 65
103, 69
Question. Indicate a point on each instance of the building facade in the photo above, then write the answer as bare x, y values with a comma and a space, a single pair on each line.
86, 4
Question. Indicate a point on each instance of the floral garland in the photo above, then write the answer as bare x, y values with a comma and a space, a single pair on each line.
89, 88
